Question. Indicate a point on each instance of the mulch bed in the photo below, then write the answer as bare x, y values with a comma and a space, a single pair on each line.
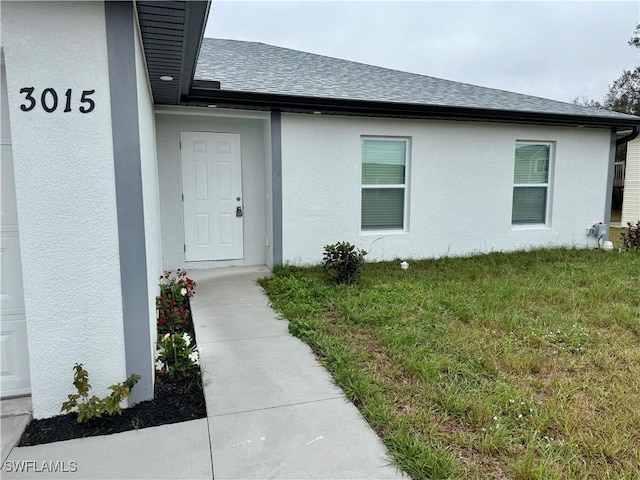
175, 400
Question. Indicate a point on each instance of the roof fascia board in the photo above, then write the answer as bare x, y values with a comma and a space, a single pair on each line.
212, 112
292, 103
195, 20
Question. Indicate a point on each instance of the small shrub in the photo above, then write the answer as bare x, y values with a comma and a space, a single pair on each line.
631, 238
177, 285
172, 316
343, 261
94, 407
301, 329
172, 303
176, 354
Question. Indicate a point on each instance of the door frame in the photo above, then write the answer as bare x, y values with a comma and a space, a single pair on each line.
236, 190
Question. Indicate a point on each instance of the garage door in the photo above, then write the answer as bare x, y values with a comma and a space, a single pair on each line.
14, 356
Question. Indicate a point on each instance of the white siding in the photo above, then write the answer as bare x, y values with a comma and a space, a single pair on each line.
66, 198
251, 127
631, 199
460, 187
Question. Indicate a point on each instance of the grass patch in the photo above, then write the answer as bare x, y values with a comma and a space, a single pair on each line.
519, 365
614, 236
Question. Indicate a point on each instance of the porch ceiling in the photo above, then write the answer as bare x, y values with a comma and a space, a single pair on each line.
171, 36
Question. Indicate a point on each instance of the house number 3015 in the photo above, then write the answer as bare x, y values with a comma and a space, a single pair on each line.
49, 100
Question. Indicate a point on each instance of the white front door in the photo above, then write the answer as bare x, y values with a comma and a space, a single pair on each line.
212, 195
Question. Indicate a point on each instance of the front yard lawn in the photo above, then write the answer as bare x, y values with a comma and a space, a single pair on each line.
520, 365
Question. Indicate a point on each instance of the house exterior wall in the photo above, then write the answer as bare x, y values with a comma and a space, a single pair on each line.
251, 127
631, 198
14, 375
151, 195
5, 125
460, 186
66, 198
268, 196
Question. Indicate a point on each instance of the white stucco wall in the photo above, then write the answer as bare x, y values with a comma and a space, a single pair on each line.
631, 198
66, 197
460, 187
251, 127
268, 204
5, 125
150, 190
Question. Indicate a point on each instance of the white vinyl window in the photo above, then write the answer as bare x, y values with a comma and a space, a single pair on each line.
384, 183
531, 183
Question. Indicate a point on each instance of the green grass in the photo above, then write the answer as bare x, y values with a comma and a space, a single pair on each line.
521, 365
614, 236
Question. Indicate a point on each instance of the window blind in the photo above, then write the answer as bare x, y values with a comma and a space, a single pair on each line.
532, 164
529, 205
383, 184
383, 162
382, 208
531, 183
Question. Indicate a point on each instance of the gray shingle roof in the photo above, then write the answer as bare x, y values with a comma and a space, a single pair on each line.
259, 68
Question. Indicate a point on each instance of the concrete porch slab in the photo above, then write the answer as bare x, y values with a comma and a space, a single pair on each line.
176, 451
233, 285
326, 439
262, 373
15, 406
236, 322
11, 428
16, 414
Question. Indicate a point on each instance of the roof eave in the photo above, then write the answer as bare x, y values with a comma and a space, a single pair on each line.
195, 21
200, 95
171, 34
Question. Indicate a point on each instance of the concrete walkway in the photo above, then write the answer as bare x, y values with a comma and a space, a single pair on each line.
273, 411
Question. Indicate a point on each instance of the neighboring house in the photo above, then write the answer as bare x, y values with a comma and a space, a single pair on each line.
631, 199
127, 160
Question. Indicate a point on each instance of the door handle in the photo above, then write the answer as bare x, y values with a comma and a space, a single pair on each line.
239, 211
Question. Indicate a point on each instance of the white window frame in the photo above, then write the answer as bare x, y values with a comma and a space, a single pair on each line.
405, 185
548, 185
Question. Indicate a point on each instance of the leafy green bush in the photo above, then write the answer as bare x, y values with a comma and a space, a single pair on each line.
631, 238
343, 261
94, 407
176, 353
301, 329
176, 285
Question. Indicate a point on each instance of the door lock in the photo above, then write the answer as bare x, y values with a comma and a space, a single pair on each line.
239, 211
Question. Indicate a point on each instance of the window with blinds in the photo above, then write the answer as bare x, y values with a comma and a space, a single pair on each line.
384, 183
531, 183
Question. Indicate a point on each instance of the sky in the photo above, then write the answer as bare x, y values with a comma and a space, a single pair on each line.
559, 50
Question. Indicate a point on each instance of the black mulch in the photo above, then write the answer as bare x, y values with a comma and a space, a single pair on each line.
175, 400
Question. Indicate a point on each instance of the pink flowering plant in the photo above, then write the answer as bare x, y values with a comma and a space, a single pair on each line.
177, 285
172, 304
172, 316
